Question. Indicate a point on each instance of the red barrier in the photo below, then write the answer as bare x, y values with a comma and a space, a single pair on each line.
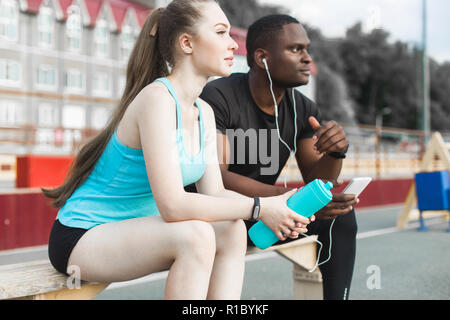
26, 218
41, 171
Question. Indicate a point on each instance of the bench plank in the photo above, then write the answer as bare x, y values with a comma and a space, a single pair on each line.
40, 280
31, 279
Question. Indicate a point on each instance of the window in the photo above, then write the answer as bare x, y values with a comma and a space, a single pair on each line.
74, 29
9, 72
127, 40
99, 118
74, 81
46, 77
9, 20
74, 117
47, 115
121, 85
46, 27
11, 113
101, 38
101, 84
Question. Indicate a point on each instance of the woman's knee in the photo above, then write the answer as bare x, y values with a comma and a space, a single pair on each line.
196, 239
231, 236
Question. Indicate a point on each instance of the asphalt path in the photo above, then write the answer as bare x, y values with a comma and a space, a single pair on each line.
391, 264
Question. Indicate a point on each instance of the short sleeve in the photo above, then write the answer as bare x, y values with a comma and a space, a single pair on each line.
307, 108
214, 97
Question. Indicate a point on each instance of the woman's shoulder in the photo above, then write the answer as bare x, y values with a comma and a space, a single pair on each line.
153, 98
154, 92
153, 104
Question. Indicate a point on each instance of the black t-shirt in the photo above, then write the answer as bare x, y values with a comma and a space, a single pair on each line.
234, 109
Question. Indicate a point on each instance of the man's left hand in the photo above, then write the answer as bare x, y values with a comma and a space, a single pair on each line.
329, 137
340, 205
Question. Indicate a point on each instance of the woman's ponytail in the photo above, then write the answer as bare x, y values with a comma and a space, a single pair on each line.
152, 54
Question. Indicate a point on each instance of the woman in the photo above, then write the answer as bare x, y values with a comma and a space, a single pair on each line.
124, 212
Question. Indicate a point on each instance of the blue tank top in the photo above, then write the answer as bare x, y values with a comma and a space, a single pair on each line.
118, 187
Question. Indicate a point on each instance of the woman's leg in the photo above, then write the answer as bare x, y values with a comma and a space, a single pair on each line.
228, 271
130, 249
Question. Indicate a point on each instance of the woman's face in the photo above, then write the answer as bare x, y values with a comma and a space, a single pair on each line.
212, 46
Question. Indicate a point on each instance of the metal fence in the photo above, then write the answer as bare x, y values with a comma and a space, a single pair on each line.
376, 152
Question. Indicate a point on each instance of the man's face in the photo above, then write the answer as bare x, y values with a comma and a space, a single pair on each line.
289, 61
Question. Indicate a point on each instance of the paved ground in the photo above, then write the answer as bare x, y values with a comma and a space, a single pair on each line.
409, 265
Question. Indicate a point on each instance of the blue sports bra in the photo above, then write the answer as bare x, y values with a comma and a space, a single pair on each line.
118, 187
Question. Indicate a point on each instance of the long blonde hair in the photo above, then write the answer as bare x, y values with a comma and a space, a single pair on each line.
153, 52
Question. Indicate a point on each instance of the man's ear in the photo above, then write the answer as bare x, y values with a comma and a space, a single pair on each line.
259, 55
185, 42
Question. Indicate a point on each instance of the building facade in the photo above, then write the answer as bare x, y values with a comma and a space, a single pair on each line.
62, 68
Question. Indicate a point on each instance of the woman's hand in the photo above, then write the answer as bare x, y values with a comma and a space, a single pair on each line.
283, 221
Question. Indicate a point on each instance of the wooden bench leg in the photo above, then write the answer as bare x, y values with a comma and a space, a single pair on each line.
86, 292
307, 285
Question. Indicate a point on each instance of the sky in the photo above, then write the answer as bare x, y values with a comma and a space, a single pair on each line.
401, 18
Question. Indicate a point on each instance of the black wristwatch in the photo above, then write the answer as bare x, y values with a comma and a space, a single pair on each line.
339, 155
256, 209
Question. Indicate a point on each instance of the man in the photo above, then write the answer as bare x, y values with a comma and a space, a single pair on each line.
259, 111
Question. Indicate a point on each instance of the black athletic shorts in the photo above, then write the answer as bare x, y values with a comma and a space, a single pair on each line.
61, 243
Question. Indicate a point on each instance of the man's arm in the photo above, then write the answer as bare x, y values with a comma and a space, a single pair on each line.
314, 162
312, 155
312, 165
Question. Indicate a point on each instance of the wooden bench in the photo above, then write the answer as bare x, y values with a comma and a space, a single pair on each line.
38, 280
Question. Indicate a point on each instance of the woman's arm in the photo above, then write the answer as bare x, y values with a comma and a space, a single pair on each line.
157, 128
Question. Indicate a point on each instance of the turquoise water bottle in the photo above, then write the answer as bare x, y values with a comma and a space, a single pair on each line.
307, 201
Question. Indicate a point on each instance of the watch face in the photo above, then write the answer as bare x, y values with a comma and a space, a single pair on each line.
255, 213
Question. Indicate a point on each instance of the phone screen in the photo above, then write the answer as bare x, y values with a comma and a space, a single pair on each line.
357, 185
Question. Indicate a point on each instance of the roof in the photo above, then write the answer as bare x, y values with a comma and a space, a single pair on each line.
93, 7
33, 5
118, 10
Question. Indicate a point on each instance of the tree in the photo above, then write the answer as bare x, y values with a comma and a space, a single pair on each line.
362, 73
243, 13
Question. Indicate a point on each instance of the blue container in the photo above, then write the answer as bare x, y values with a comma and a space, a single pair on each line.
307, 201
432, 189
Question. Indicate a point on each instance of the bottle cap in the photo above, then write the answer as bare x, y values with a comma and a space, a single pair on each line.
325, 188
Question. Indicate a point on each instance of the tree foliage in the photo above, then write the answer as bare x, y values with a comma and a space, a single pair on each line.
364, 72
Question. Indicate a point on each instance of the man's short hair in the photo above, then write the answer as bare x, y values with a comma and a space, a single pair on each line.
262, 32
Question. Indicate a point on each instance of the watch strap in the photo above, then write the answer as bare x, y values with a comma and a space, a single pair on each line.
256, 209
340, 155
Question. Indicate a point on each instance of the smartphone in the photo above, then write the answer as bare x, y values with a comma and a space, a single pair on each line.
357, 185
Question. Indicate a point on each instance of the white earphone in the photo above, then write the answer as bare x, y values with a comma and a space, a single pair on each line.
264, 61
276, 111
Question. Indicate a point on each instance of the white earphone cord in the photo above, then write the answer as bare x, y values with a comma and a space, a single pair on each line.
320, 249
295, 151
276, 112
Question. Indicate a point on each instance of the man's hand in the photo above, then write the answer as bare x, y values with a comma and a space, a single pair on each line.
340, 205
329, 137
